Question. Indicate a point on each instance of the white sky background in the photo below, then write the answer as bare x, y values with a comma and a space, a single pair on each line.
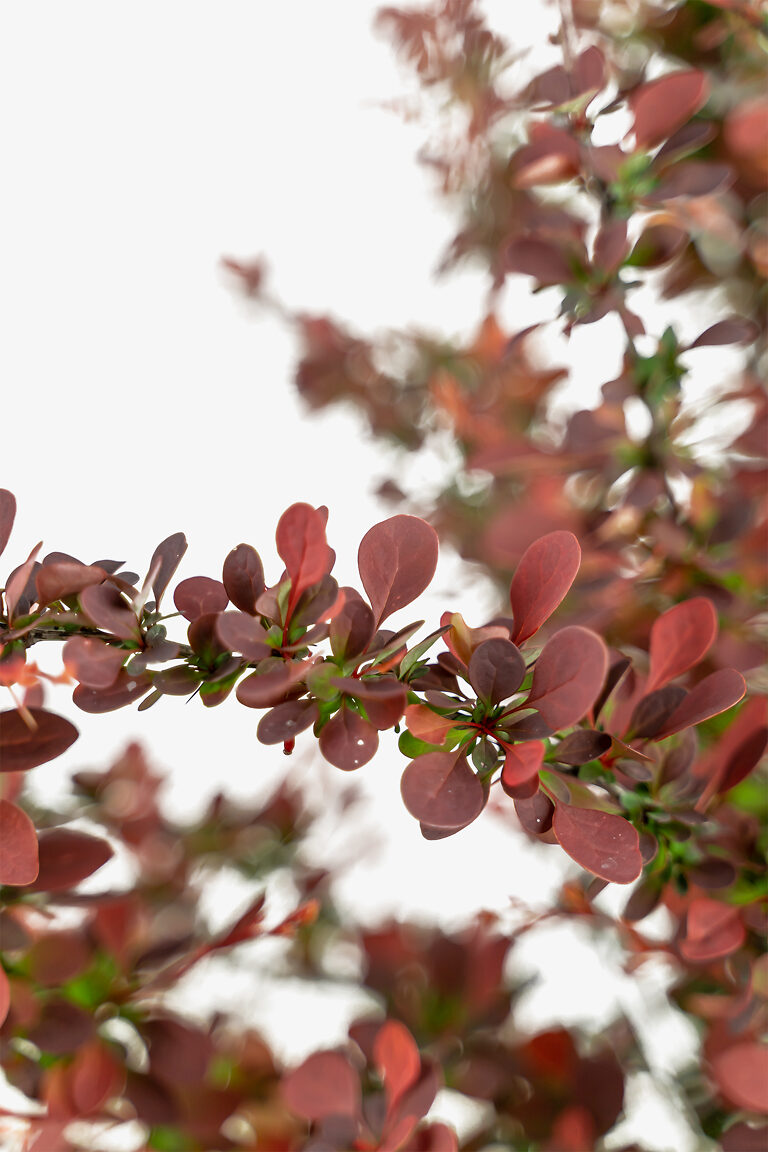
141, 396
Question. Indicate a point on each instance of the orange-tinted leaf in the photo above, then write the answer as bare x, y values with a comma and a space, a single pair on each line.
680, 637
95, 1076
5, 995
713, 930
711, 696
92, 662
426, 725
442, 791
545, 573
324, 1085
663, 105
243, 577
68, 856
199, 595
396, 560
568, 676
397, 1058
18, 846
604, 844
348, 741
22, 747
742, 1075
521, 764
7, 516
302, 546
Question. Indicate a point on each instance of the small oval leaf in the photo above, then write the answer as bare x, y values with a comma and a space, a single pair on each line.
496, 670
442, 791
604, 844
22, 747
18, 846
545, 573
397, 560
568, 676
680, 637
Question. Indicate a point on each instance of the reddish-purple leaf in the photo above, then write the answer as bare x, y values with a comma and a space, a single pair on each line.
239, 632
7, 516
104, 605
713, 930
5, 995
178, 1052
657, 245
397, 560
735, 330
18, 846
265, 689
581, 746
285, 721
743, 759
496, 670
324, 1085
398, 1060
125, 689
302, 546
691, 178
95, 1076
92, 662
22, 747
521, 765
545, 573
610, 246
442, 791
680, 637
68, 856
546, 262
384, 699
568, 676
243, 576
741, 1072
199, 595
415, 1102
710, 697
18, 583
653, 710
67, 578
353, 627
604, 844
663, 105
348, 741
535, 813
165, 560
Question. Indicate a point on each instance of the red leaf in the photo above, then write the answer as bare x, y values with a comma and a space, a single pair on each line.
178, 1052
348, 741
568, 676
742, 1074
427, 725
95, 1076
396, 560
22, 747
302, 546
665, 104
324, 1085
199, 595
413, 1105
92, 662
496, 670
353, 627
18, 846
285, 721
441, 790
398, 1060
521, 764
604, 844
680, 637
124, 690
5, 995
243, 577
68, 856
535, 813
7, 516
710, 697
384, 699
165, 559
239, 632
67, 578
265, 689
546, 262
104, 605
713, 930
545, 573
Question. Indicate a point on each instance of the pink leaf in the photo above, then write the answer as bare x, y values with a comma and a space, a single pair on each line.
713, 930
663, 105
604, 844
521, 764
568, 676
545, 573
397, 1059
741, 1072
397, 560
